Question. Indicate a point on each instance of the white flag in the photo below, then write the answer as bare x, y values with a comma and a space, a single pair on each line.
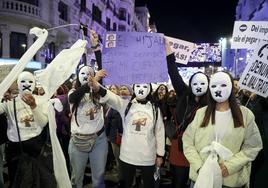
56, 73
61, 68
27, 56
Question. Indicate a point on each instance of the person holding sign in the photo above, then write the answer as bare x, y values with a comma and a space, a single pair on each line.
189, 99
143, 139
222, 140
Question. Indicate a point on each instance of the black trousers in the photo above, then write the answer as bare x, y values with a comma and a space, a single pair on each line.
128, 172
32, 147
180, 176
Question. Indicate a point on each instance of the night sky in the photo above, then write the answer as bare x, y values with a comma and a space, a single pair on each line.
194, 21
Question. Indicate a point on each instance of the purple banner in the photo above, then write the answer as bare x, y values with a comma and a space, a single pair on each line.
134, 57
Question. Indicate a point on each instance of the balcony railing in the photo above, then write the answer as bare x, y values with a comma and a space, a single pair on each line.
20, 8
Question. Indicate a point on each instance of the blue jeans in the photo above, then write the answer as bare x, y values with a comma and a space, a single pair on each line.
192, 185
97, 158
1, 165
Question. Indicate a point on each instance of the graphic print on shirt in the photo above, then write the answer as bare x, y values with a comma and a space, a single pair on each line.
25, 116
140, 122
91, 112
87, 110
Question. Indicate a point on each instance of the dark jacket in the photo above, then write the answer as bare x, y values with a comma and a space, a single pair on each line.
186, 104
114, 125
63, 118
259, 107
3, 129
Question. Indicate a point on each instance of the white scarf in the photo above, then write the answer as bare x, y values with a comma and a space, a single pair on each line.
211, 166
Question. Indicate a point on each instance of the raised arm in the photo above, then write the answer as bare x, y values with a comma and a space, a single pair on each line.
76, 95
108, 97
176, 79
95, 46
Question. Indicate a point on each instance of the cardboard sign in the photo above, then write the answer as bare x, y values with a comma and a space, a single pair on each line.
255, 75
5, 70
134, 57
247, 34
181, 48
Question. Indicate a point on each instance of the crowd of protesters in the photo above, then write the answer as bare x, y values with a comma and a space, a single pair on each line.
146, 129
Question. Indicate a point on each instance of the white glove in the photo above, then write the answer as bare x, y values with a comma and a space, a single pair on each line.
57, 104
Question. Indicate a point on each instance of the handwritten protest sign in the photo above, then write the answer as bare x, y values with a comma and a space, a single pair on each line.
4, 70
134, 57
248, 33
181, 48
255, 75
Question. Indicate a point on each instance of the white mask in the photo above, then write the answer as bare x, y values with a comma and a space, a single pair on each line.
26, 83
83, 74
220, 87
141, 91
199, 84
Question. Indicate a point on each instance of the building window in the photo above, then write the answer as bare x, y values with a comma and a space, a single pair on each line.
121, 28
122, 14
63, 10
18, 44
128, 19
96, 14
83, 5
32, 2
108, 24
114, 27
50, 52
1, 45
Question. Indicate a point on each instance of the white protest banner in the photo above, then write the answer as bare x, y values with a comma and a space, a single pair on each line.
4, 71
255, 75
181, 48
134, 57
248, 33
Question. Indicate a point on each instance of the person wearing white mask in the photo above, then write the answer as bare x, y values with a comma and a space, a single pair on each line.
189, 99
230, 127
88, 138
143, 137
30, 117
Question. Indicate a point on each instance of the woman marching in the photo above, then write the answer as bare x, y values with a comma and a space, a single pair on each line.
189, 99
88, 138
142, 143
222, 140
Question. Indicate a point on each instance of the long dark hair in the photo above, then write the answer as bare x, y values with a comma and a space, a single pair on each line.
187, 105
235, 109
95, 96
155, 94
